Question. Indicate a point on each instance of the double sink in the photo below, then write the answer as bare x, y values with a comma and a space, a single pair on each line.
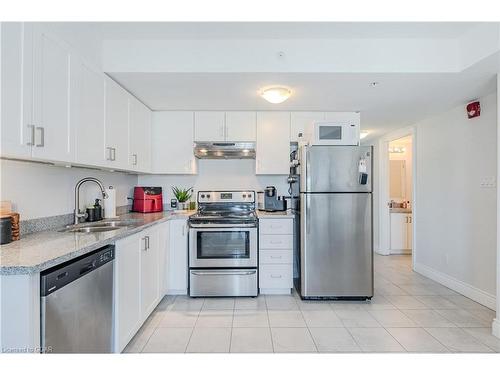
102, 226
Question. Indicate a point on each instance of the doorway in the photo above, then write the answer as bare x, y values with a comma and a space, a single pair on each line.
396, 202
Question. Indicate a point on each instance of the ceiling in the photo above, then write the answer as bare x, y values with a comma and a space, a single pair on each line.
278, 30
399, 99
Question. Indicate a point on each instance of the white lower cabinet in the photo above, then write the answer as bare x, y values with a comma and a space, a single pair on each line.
138, 280
177, 257
401, 233
275, 255
127, 315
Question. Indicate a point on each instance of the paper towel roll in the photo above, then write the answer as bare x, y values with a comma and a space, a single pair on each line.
110, 203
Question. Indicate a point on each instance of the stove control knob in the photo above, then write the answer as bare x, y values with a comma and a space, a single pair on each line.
244, 195
203, 195
208, 196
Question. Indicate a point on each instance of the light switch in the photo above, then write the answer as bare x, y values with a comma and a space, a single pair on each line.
488, 182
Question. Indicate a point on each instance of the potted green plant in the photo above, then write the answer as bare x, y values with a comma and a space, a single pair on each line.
182, 196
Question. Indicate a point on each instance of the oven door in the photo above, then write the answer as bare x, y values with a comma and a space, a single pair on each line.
222, 246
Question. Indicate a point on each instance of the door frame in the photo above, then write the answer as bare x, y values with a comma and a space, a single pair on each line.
383, 185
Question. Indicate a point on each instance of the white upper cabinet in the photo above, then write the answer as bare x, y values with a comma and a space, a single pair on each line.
241, 126
90, 131
116, 125
140, 136
273, 143
16, 87
209, 126
172, 142
299, 121
52, 89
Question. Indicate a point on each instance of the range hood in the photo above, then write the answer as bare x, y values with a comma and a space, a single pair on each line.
224, 150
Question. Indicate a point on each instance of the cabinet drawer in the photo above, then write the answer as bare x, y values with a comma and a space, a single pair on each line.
277, 241
276, 226
275, 276
275, 257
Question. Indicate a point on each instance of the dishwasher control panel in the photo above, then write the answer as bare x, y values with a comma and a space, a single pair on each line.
57, 277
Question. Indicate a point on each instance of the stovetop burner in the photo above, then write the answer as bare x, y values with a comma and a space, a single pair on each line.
225, 207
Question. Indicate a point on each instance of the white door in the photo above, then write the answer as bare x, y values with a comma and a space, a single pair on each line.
209, 126
273, 143
127, 290
177, 260
172, 142
163, 245
140, 136
241, 126
17, 88
300, 121
116, 125
54, 132
149, 272
90, 131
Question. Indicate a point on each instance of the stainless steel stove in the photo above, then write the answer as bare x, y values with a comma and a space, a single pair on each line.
223, 245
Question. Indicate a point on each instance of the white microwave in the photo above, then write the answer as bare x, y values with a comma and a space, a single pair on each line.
342, 130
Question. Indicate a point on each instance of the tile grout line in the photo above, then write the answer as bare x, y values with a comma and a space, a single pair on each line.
194, 326
308, 330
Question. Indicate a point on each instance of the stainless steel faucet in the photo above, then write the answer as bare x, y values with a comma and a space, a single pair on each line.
79, 214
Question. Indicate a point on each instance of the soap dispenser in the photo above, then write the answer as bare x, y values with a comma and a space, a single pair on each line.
97, 210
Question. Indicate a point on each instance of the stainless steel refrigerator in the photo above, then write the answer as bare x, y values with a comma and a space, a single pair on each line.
336, 230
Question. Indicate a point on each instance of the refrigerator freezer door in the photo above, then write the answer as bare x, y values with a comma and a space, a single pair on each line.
335, 169
336, 245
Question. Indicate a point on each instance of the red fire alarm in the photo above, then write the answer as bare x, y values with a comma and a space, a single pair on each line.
473, 109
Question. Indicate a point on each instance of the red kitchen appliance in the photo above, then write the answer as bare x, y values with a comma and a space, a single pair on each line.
147, 199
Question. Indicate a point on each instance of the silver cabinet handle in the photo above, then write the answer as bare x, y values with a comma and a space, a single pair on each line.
409, 218
42, 136
223, 273
145, 244
32, 136
109, 154
274, 257
135, 159
276, 276
113, 154
275, 242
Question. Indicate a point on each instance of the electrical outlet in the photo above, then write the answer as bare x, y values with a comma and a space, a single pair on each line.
488, 182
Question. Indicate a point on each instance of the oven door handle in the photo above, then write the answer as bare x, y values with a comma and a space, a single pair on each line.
235, 226
223, 273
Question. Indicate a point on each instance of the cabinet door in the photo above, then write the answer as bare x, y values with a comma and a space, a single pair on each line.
241, 126
127, 293
149, 272
177, 260
273, 143
140, 136
53, 86
172, 143
398, 231
116, 125
209, 126
90, 131
409, 233
300, 121
17, 88
163, 245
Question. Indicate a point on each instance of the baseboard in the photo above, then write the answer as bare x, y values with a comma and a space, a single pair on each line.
400, 252
382, 251
495, 328
176, 292
465, 289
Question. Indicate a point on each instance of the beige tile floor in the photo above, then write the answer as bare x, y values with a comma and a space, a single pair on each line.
409, 313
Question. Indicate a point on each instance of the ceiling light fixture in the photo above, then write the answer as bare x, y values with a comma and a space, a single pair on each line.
276, 94
397, 150
363, 135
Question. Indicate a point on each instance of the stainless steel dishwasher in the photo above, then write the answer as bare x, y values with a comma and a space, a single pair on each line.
77, 304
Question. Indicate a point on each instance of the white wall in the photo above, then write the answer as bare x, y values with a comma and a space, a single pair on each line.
38, 190
217, 175
456, 218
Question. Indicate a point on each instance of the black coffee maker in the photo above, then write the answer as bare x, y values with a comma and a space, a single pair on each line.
271, 201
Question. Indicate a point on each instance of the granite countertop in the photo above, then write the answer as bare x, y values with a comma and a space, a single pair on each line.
400, 210
276, 214
39, 251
